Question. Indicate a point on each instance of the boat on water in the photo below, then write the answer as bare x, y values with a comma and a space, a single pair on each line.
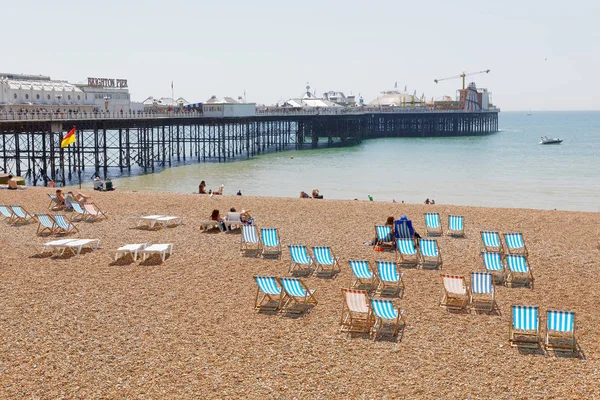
529, 113
547, 140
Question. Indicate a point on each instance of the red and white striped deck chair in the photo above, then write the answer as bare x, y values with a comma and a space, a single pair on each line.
455, 292
356, 312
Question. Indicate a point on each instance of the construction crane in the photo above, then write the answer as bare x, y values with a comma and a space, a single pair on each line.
463, 76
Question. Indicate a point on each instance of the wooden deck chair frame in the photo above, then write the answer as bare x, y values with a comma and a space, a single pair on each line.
453, 299
270, 251
358, 282
524, 338
250, 248
433, 230
497, 249
519, 250
265, 301
405, 259
7, 209
58, 230
379, 327
301, 268
515, 277
456, 232
499, 275
297, 304
25, 218
353, 320
53, 201
51, 229
560, 340
389, 245
389, 287
482, 301
433, 262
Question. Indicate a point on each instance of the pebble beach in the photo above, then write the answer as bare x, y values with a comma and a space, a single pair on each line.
87, 327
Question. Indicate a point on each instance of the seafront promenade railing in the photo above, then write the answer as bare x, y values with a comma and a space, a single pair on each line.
63, 116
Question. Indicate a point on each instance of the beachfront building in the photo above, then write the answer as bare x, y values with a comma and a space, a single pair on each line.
106, 94
473, 99
30, 92
163, 103
228, 107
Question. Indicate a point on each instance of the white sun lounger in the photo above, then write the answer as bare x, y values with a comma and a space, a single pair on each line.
43, 247
168, 220
160, 248
59, 247
146, 221
209, 224
129, 249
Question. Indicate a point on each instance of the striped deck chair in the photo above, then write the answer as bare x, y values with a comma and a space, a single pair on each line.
455, 294
491, 241
524, 328
492, 262
297, 297
79, 213
7, 213
518, 270
45, 223
515, 243
560, 331
63, 225
93, 212
300, 261
433, 224
327, 262
362, 275
250, 244
483, 295
407, 253
401, 230
356, 312
21, 215
390, 281
54, 201
456, 225
270, 242
384, 311
385, 236
430, 253
268, 294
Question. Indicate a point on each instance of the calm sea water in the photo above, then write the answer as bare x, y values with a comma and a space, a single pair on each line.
507, 169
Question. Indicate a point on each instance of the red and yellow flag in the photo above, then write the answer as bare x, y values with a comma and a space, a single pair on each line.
68, 138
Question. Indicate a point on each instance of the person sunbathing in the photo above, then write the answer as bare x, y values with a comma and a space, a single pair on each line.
12, 184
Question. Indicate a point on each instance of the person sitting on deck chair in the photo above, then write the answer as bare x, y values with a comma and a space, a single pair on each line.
400, 227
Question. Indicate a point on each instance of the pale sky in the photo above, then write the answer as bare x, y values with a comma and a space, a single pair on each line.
543, 55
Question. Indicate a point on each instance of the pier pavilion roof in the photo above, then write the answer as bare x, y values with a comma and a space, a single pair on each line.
394, 98
39, 84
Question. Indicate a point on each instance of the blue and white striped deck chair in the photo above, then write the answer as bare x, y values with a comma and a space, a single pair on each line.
390, 281
492, 261
268, 294
46, 223
80, 213
518, 270
270, 242
7, 213
54, 201
515, 243
63, 225
483, 295
362, 275
21, 215
430, 253
385, 236
326, 261
300, 261
560, 331
407, 253
491, 241
250, 243
384, 312
456, 225
297, 297
433, 225
524, 327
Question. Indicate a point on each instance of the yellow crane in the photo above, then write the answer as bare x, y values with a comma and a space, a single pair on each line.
463, 76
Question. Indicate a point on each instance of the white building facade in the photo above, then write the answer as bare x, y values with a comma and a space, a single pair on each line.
228, 107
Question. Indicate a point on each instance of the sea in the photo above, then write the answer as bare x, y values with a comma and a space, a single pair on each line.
506, 169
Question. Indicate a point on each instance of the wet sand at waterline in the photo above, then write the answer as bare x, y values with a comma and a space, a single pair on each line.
83, 327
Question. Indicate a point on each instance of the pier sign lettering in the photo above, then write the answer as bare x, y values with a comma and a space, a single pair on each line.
107, 82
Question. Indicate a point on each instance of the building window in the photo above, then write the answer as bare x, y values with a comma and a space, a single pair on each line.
69, 97
78, 97
15, 95
37, 96
48, 97
26, 95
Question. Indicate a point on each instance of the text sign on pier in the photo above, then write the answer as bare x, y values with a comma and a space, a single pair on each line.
107, 82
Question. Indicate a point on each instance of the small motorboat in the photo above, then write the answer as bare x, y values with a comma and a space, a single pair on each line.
547, 140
